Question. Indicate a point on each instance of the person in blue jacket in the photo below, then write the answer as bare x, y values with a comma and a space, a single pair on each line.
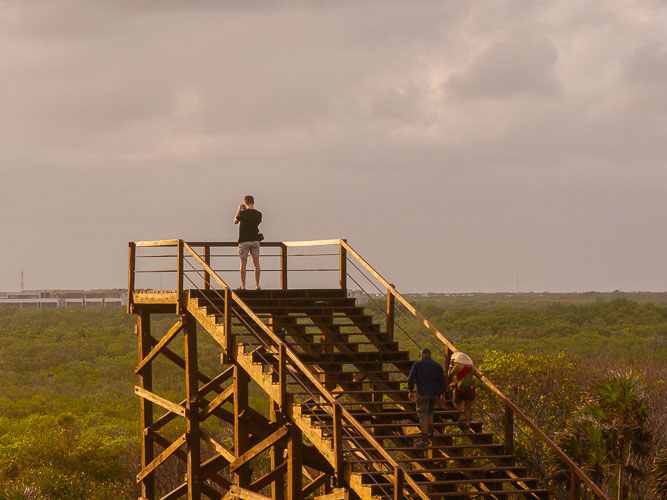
431, 385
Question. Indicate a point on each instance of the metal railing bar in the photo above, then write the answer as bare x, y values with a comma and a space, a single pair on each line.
383, 310
401, 311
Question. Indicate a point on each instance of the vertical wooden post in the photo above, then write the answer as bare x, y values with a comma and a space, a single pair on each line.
207, 259
398, 484
278, 485
145, 406
283, 266
509, 431
294, 464
391, 310
281, 378
130, 277
229, 339
574, 486
342, 259
179, 277
338, 444
192, 408
241, 441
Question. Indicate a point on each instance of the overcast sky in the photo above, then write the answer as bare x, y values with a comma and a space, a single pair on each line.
452, 143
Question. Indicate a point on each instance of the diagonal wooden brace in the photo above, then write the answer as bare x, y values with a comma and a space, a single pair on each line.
164, 403
219, 400
158, 347
260, 447
162, 457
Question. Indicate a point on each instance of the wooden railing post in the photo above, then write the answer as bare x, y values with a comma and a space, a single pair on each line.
283, 266
281, 377
343, 267
509, 431
130, 277
207, 259
398, 483
229, 339
338, 443
391, 309
574, 486
179, 278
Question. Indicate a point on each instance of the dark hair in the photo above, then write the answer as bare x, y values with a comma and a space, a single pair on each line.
426, 352
249, 199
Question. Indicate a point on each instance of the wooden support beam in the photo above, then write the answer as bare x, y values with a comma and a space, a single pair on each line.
145, 406
314, 485
166, 453
342, 259
391, 312
177, 492
162, 343
282, 377
283, 267
164, 403
224, 452
180, 306
241, 434
219, 400
207, 259
276, 455
574, 486
130, 278
269, 478
259, 447
338, 443
238, 493
178, 361
399, 479
294, 464
228, 348
337, 494
209, 468
191, 406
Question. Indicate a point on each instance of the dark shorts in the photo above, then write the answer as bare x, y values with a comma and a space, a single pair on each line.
464, 396
426, 406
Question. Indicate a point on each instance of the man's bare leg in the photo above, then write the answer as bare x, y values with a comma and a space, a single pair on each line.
468, 411
255, 262
244, 265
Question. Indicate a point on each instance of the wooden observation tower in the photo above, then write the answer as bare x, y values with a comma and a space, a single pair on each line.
305, 397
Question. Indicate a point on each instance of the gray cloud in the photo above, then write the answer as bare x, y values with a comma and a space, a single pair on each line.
507, 136
515, 65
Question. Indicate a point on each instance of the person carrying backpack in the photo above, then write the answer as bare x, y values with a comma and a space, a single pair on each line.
462, 368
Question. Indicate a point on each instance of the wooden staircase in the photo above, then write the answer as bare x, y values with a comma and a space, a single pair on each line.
335, 380
366, 372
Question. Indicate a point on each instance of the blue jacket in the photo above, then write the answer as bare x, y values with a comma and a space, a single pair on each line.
429, 376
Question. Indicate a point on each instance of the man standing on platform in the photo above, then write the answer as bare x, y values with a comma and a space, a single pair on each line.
431, 385
249, 237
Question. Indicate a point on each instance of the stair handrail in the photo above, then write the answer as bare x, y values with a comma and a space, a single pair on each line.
398, 469
574, 468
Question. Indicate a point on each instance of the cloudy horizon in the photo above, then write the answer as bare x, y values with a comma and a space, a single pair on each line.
453, 144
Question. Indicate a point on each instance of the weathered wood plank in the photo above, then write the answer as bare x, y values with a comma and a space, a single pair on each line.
163, 342
224, 452
259, 447
164, 403
219, 400
166, 453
